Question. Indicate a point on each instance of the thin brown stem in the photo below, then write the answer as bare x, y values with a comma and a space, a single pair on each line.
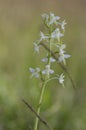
40, 118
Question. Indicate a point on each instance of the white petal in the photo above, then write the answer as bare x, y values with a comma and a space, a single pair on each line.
36, 47
56, 34
38, 69
36, 75
57, 17
53, 18
43, 36
47, 66
66, 55
52, 59
63, 46
61, 58
51, 71
63, 24
31, 70
44, 72
61, 78
44, 59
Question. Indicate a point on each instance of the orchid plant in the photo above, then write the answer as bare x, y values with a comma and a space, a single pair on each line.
53, 39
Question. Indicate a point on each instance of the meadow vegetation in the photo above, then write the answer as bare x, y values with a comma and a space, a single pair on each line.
20, 23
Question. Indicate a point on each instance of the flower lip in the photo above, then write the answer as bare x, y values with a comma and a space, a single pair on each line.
36, 47
63, 25
62, 55
43, 36
47, 70
53, 18
35, 72
56, 34
46, 59
61, 78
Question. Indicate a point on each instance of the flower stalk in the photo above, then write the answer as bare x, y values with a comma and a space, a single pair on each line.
40, 104
52, 42
47, 76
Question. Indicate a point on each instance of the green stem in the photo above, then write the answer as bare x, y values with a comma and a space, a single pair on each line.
43, 88
39, 105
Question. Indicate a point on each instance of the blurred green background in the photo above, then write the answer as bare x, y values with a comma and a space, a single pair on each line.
20, 22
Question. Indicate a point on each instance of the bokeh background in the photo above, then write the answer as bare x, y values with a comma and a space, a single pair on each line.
20, 22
